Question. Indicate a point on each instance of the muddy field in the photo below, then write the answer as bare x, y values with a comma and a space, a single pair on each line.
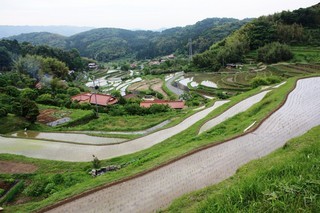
154, 84
7, 167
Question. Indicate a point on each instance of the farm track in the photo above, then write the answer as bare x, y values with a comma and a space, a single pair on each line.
158, 188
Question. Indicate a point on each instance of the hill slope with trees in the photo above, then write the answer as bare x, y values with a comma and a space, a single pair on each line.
106, 44
297, 28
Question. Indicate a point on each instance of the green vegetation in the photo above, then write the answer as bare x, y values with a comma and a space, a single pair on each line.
107, 44
106, 122
300, 27
178, 145
12, 193
284, 181
274, 52
12, 123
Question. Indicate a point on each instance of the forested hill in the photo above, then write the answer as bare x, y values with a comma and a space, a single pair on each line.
275, 32
50, 39
106, 44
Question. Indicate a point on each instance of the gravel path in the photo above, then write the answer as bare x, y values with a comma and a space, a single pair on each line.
157, 189
240, 107
72, 152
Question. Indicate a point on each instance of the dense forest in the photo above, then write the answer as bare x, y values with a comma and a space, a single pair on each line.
270, 35
107, 44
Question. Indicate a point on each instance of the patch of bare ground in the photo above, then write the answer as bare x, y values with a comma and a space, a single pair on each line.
7, 167
46, 116
158, 87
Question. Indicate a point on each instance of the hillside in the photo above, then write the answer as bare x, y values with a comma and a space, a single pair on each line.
7, 31
54, 40
297, 28
106, 44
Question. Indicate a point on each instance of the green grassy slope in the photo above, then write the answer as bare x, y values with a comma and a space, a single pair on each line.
285, 181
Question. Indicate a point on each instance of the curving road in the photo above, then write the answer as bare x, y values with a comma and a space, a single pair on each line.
75, 152
158, 188
173, 89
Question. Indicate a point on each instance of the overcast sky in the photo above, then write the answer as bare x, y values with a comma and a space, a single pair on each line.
136, 14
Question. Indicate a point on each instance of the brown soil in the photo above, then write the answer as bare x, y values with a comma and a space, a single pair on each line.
7, 167
46, 116
158, 87
154, 84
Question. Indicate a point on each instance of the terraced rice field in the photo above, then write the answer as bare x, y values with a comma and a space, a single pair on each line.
240, 80
158, 188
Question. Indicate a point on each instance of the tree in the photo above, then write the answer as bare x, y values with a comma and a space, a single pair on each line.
73, 91
5, 59
54, 67
274, 52
27, 109
29, 94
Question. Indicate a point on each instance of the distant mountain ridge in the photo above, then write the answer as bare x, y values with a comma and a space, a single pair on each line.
7, 31
107, 44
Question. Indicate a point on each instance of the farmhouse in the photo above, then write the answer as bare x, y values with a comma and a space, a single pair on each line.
172, 104
99, 99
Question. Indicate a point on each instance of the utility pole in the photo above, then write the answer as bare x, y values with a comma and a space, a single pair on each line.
190, 49
95, 94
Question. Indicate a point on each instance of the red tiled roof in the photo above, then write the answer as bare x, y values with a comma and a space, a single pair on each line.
172, 104
99, 99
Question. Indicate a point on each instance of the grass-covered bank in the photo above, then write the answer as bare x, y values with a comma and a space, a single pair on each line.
170, 149
285, 181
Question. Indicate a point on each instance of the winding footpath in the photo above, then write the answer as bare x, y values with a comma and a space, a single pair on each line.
157, 189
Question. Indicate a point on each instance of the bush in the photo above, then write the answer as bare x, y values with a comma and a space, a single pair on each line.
29, 94
158, 108
73, 91
46, 99
259, 81
1, 192
3, 112
274, 52
12, 193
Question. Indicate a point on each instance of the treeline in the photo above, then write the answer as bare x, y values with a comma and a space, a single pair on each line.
11, 51
107, 44
300, 27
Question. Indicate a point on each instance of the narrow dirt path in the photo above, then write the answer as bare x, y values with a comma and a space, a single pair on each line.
158, 188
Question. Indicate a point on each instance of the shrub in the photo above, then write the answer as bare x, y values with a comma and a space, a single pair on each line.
3, 112
46, 99
158, 108
29, 94
259, 81
274, 52
73, 91
12, 193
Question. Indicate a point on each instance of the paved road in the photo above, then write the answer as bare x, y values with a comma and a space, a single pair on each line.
157, 189
173, 89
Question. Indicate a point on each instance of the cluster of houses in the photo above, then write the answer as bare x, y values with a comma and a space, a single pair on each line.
162, 60
105, 100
